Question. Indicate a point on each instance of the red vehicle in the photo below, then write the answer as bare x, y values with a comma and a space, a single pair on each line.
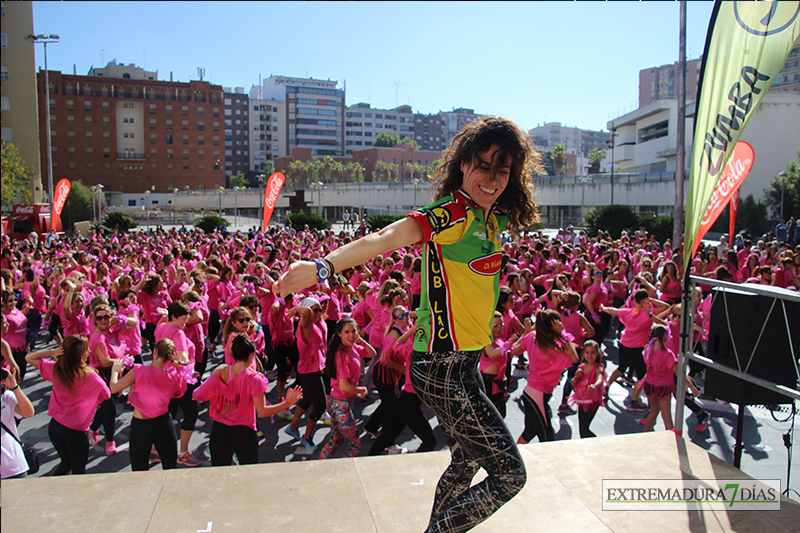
26, 218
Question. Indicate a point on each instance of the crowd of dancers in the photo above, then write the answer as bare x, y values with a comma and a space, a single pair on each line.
181, 320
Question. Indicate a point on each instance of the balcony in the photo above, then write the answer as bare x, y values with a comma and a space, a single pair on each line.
129, 155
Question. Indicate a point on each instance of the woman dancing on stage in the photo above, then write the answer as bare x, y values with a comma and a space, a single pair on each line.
482, 190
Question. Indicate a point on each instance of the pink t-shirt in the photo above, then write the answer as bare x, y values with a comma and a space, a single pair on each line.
659, 368
74, 410
17, 327
131, 336
232, 403
39, 300
77, 325
165, 330
545, 365
348, 366
637, 327
115, 348
501, 361
312, 353
154, 388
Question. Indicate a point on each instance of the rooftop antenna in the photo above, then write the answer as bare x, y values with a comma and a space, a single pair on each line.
201, 72
102, 56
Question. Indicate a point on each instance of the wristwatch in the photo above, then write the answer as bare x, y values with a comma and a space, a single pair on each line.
323, 272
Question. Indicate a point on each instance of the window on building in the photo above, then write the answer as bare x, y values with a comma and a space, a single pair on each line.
153, 153
87, 105
169, 124
71, 136
153, 138
185, 139
89, 136
169, 138
169, 110
70, 120
216, 141
88, 122
169, 153
106, 137
185, 111
152, 109
200, 126
185, 125
186, 154
152, 123
70, 105
105, 107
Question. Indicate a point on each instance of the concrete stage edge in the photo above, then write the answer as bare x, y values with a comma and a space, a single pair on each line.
387, 494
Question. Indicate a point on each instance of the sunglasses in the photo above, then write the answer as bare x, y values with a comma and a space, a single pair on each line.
316, 310
252, 307
242, 320
401, 316
102, 317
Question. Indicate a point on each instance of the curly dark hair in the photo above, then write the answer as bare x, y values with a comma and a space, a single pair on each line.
478, 136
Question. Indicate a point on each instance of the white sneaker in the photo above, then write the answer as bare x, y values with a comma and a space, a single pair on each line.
286, 414
394, 449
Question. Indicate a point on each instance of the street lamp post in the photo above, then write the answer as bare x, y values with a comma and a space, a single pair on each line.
318, 186
260, 178
45, 39
147, 209
99, 188
174, 206
94, 213
613, 142
783, 176
221, 188
235, 207
220, 191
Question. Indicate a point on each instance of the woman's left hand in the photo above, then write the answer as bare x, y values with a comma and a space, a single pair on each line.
298, 276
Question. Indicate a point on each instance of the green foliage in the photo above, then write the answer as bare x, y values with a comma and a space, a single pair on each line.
547, 164
661, 227
613, 219
378, 222
119, 221
385, 172
238, 181
386, 140
788, 189
559, 154
78, 206
596, 157
209, 223
752, 217
15, 176
409, 140
298, 221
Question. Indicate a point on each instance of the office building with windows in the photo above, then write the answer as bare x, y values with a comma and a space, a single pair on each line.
313, 114
18, 109
266, 121
131, 135
236, 123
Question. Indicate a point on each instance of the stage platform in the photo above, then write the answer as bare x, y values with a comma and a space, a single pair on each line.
387, 494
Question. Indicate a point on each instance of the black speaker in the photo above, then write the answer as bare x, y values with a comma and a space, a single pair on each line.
741, 326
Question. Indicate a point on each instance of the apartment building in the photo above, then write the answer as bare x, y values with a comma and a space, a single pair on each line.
266, 143
453, 121
313, 114
18, 109
131, 135
789, 78
237, 131
660, 83
577, 141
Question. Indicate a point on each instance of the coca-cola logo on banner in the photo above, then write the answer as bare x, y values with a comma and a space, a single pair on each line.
23, 209
739, 165
275, 184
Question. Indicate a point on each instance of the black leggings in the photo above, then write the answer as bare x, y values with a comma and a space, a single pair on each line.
19, 358
477, 436
388, 393
498, 399
313, 394
154, 431
584, 420
633, 358
72, 447
601, 328
149, 333
213, 326
285, 357
189, 407
537, 424
226, 440
407, 411
106, 414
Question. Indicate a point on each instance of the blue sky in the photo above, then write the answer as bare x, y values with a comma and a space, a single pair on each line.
571, 62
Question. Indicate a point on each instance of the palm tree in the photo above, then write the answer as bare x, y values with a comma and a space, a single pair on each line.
559, 154
596, 156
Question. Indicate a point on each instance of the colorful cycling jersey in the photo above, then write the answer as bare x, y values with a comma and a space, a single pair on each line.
462, 258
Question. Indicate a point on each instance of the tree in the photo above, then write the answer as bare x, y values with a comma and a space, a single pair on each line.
378, 222
385, 172
209, 223
409, 140
752, 217
238, 181
613, 219
298, 221
596, 157
417, 171
547, 164
559, 158
354, 172
119, 221
386, 139
789, 190
78, 206
15, 176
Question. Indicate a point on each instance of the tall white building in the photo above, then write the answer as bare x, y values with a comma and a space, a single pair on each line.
314, 113
267, 119
576, 140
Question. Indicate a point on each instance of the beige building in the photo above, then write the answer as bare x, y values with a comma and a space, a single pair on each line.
19, 111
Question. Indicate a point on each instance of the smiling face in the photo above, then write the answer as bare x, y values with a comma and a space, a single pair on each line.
348, 335
485, 178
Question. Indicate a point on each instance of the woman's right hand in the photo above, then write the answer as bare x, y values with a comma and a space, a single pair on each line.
118, 365
294, 394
